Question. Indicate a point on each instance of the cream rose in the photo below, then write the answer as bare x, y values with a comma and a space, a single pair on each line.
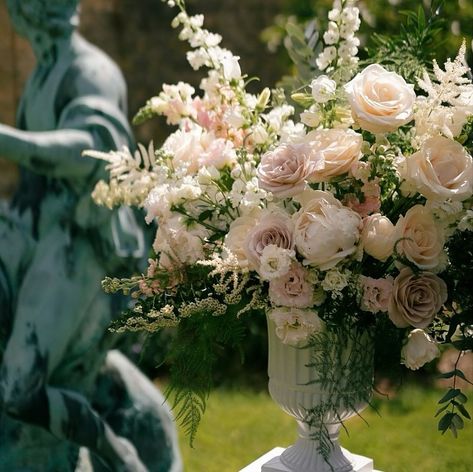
295, 326
292, 289
419, 349
420, 238
272, 229
325, 231
377, 236
416, 299
338, 150
284, 170
381, 101
236, 236
440, 170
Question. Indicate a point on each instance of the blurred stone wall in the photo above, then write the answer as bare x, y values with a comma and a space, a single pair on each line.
138, 36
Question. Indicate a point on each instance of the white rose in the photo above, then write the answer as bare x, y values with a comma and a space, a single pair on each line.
419, 349
295, 326
377, 236
325, 232
420, 238
323, 89
441, 170
381, 101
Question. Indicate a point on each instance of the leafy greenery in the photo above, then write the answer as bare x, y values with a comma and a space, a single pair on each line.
241, 425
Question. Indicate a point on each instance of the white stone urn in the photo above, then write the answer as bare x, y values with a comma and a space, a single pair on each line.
295, 385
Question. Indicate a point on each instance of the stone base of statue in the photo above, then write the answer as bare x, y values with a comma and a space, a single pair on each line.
271, 462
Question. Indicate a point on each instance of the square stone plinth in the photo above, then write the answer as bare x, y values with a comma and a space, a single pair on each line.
271, 462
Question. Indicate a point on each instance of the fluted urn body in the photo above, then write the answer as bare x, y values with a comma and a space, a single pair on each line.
320, 386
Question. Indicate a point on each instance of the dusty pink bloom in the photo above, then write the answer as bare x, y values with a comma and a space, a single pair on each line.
376, 294
416, 299
292, 289
284, 170
273, 228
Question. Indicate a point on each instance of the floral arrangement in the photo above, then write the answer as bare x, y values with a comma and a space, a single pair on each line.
347, 214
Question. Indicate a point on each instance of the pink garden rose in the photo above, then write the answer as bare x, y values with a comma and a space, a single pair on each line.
272, 228
284, 170
416, 299
292, 289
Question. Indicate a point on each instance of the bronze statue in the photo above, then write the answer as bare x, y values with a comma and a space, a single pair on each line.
55, 248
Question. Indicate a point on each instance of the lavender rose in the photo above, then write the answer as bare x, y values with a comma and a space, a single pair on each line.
416, 299
284, 170
292, 289
273, 229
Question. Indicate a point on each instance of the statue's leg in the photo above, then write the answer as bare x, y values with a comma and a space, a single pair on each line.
56, 296
137, 410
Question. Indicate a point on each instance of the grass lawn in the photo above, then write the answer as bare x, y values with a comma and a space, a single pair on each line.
239, 426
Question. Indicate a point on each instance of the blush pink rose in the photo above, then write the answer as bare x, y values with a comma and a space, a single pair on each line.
292, 289
272, 228
284, 170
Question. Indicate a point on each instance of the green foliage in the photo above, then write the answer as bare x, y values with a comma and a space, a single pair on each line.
413, 49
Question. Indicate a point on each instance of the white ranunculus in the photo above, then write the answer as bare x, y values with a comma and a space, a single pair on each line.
442, 169
381, 101
294, 326
323, 89
419, 349
325, 232
377, 236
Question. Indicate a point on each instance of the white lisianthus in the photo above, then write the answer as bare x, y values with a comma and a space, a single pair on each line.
275, 262
419, 349
466, 223
311, 117
323, 89
294, 326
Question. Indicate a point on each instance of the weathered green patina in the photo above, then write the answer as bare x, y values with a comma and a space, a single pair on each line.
60, 387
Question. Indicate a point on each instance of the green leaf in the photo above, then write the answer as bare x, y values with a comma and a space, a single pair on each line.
205, 215
463, 410
440, 410
458, 422
452, 393
445, 422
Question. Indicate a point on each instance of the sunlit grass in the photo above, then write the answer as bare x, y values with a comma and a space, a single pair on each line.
240, 426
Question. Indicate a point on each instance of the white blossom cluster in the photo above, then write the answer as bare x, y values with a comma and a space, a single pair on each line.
341, 44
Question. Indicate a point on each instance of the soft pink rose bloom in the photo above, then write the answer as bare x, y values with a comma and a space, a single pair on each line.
420, 238
292, 289
325, 231
376, 294
295, 326
378, 236
416, 299
272, 228
284, 170
440, 170
419, 349
381, 101
337, 149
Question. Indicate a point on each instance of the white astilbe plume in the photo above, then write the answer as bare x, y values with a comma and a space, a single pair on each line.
132, 176
449, 101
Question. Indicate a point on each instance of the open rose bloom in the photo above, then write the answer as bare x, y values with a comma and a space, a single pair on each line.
339, 216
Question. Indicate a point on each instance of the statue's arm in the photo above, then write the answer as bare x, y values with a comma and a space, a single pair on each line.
57, 153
